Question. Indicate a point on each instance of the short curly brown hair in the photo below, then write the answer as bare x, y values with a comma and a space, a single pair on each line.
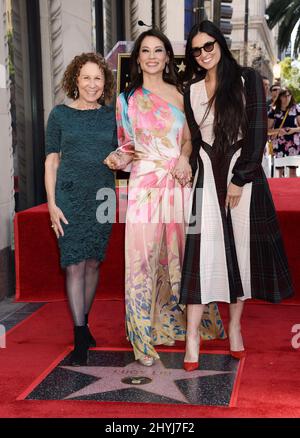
69, 82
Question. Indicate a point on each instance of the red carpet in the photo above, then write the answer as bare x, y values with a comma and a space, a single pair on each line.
38, 273
270, 380
39, 277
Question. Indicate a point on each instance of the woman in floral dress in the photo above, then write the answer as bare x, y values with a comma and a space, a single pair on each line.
154, 144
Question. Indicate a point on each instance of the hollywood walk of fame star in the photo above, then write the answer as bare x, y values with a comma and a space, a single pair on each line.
163, 380
181, 67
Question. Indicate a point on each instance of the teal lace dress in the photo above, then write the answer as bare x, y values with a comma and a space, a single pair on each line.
84, 185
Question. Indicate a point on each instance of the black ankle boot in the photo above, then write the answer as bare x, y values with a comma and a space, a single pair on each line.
91, 340
79, 356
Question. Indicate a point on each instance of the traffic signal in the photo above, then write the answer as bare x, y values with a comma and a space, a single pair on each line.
222, 17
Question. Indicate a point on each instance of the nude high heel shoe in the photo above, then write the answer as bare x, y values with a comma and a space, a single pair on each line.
147, 361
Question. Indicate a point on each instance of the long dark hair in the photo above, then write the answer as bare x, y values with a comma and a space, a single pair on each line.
229, 98
278, 100
136, 78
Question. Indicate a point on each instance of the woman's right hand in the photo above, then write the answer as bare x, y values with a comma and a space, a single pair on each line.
56, 216
117, 160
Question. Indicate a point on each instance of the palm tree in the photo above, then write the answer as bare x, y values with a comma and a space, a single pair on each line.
286, 13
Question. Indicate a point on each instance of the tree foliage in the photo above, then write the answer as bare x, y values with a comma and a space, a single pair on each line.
290, 74
286, 13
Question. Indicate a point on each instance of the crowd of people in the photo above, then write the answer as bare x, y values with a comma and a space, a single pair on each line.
283, 125
198, 198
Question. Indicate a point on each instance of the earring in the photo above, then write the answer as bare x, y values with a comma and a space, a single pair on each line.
167, 69
102, 98
76, 93
139, 69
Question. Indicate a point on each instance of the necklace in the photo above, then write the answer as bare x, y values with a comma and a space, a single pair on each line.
81, 105
84, 108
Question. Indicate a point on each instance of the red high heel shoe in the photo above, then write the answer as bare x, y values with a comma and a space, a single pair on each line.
238, 354
190, 366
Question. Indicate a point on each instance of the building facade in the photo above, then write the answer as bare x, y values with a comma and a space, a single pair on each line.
262, 50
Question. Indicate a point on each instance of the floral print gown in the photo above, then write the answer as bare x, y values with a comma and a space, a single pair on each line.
286, 145
151, 130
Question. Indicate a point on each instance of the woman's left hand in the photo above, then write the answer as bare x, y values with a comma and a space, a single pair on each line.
233, 197
182, 171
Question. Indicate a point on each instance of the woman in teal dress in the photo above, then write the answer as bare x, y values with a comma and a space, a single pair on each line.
79, 136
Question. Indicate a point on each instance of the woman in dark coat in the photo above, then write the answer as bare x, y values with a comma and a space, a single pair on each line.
234, 249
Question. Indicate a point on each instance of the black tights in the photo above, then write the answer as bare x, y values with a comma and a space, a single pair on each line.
81, 284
